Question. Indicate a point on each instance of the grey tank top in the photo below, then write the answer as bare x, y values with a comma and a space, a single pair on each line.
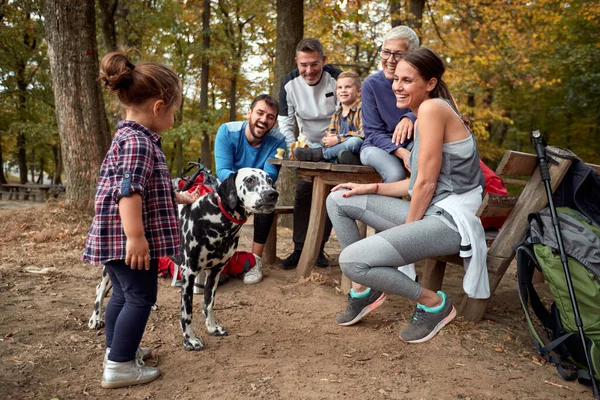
460, 171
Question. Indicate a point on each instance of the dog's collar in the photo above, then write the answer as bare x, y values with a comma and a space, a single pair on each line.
228, 216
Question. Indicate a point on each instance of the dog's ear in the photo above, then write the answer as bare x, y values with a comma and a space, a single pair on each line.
228, 192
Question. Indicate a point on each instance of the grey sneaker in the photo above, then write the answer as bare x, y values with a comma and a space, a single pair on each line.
424, 325
357, 309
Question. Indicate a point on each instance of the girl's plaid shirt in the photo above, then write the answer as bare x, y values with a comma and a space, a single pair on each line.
135, 163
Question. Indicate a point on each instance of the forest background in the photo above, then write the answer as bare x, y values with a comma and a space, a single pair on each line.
514, 66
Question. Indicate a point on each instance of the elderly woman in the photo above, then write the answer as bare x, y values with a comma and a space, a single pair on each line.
386, 126
446, 190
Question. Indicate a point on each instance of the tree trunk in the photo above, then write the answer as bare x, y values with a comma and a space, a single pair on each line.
57, 154
206, 145
82, 123
32, 167
22, 158
22, 105
233, 97
40, 178
2, 176
396, 13
415, 16
107, 18
290, 29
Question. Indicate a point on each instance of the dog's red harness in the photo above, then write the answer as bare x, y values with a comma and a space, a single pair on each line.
228, 216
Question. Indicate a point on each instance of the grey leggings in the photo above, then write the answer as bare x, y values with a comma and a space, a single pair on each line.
373, 261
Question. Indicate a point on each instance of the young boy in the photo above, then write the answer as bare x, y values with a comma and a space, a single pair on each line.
344, 137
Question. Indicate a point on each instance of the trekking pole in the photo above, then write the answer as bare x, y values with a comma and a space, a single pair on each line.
539, 145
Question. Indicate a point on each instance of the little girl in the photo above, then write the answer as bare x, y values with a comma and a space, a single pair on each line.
136, 217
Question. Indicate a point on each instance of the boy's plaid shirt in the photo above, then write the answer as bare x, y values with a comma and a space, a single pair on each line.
354, 118
135, 163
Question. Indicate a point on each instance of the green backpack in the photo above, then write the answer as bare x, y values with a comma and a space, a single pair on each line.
539, 249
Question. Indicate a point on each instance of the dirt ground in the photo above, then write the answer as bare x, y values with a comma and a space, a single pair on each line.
282, 344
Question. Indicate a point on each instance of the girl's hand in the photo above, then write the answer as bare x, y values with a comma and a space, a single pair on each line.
330, 140
188, 197
356, 188
137, 253
403, 131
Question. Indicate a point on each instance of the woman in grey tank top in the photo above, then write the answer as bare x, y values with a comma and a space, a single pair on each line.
444, 163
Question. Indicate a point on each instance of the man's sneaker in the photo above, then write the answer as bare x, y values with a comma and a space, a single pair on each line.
425, 324
254, 275
347, 157
291, 261
308, 154
322, 261
357, 309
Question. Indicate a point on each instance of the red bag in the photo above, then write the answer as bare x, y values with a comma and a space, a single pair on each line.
166, 268
198, 182
240, 263
494, 185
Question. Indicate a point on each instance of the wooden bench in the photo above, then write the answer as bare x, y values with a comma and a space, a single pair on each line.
533, 198
30, 191
270, 251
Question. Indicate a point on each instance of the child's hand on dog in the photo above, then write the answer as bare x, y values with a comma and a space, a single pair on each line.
188, 197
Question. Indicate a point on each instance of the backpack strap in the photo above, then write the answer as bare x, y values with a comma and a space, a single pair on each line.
526, 265
546, 353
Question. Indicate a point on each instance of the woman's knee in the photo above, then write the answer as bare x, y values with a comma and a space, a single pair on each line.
351, 264
333, 201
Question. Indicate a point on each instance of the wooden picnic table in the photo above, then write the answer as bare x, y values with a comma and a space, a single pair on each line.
323, 175
16, 191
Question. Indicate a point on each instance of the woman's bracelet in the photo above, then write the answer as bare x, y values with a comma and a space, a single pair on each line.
376, 188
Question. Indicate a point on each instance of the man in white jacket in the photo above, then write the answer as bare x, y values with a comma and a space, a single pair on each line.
307, 96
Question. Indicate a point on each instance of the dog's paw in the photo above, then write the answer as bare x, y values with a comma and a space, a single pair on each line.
95, 323
193, 344
218, 331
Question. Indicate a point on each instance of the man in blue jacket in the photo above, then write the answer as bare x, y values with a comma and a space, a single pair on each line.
249, 144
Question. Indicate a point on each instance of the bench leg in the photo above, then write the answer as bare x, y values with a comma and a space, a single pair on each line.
433, 274
472, 309
270, 251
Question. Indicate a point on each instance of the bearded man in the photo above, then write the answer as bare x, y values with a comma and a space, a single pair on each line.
249, 144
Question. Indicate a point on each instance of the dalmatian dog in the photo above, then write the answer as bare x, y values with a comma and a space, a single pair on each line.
210, 230
96, 321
